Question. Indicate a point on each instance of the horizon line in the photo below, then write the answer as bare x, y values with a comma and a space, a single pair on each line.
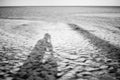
61, 6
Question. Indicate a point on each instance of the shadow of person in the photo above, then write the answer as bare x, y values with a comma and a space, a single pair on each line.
40, 64
108, 49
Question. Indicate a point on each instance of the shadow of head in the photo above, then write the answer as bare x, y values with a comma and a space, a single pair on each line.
106, 47
40, 65
47, 37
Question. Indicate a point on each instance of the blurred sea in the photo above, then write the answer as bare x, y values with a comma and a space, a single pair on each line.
53, 12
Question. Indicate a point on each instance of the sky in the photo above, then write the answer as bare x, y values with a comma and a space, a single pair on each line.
59, 2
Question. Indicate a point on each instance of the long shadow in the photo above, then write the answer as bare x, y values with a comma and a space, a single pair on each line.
40, 64
113, 31
112, 51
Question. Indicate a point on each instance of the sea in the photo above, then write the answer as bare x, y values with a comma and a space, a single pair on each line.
50, 12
